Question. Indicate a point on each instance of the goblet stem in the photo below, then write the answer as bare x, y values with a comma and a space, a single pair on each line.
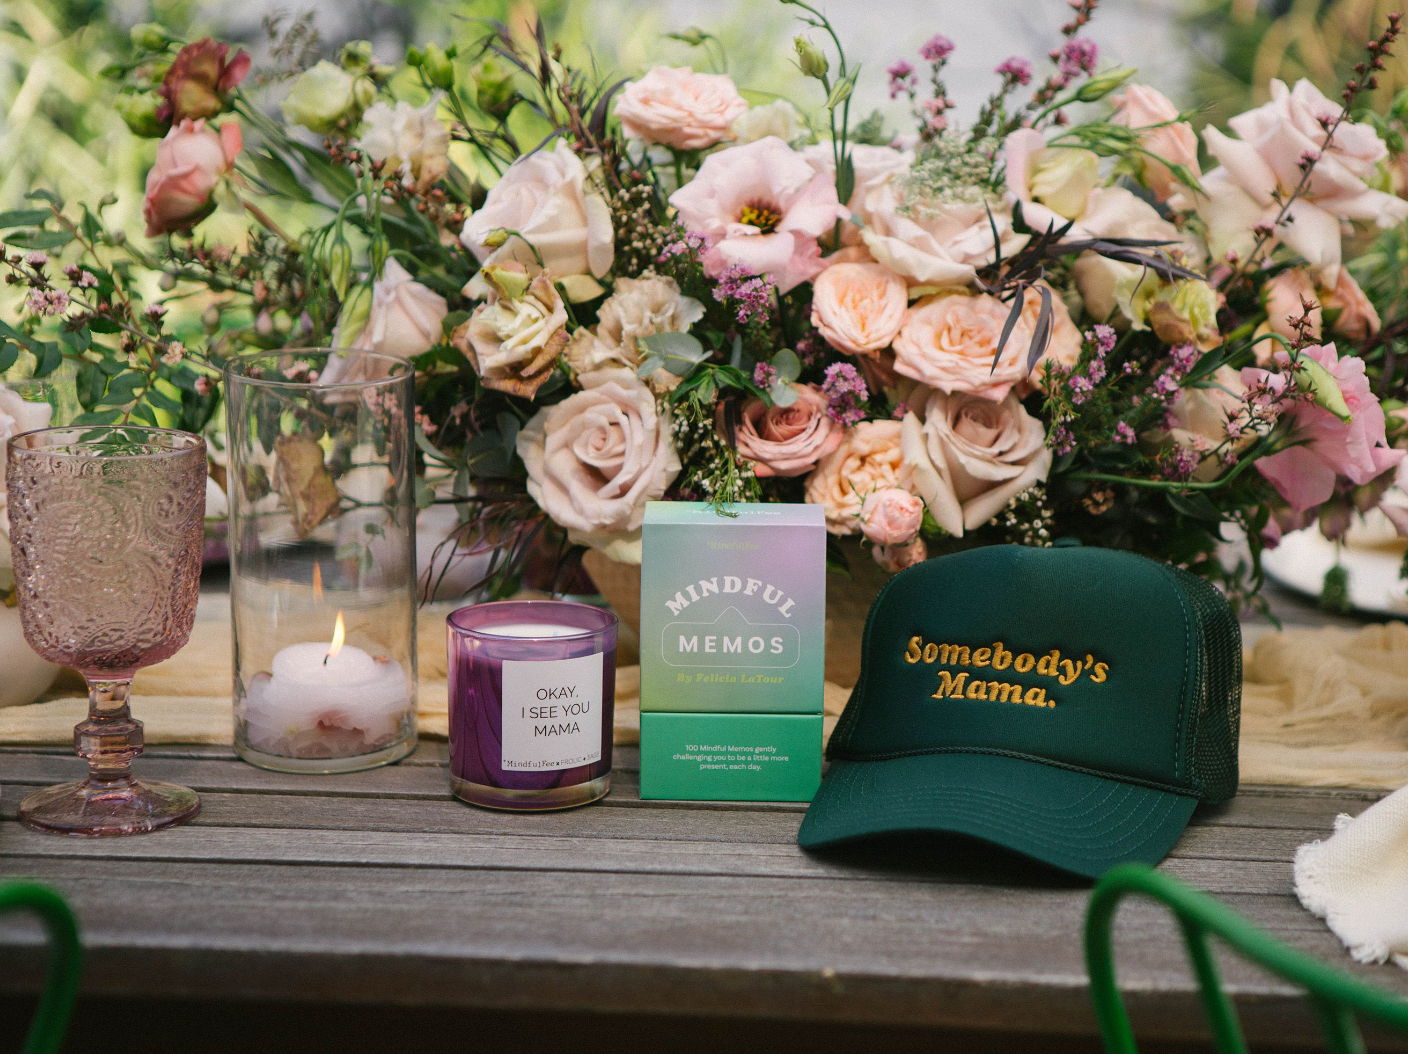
111, 737
110, 800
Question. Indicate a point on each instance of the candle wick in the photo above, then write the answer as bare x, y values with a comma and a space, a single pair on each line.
326, 658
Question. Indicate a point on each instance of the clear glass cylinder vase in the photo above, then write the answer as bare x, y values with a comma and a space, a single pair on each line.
322, 558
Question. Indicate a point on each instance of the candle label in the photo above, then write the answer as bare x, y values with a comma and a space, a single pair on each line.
552, 713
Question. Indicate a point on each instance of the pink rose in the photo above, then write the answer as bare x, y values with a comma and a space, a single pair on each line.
950, 342
895, 558
595, 458
786, 440
674, 106
858, 307
1261, 168
891, 516
190, 161
971, 456
868, 459
1357, 318
760, 207
555, 207
1356, 450
1172, 141
942, 244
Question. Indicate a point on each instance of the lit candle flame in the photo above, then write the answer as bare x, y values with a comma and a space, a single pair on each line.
339, 634
317, 581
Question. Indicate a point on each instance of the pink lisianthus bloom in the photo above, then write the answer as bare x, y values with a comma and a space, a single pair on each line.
1259, 169
762, 207
1356, 450
190, 161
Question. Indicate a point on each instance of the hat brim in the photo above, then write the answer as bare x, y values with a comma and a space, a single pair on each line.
1072, 820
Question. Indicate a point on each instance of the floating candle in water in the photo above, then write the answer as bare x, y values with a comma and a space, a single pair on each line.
326, 700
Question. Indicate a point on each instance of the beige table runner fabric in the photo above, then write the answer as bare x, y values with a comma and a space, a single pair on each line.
1322, 707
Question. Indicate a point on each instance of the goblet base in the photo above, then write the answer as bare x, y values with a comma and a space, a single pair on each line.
98, 807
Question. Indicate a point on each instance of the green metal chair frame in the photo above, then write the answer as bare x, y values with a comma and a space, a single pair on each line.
1335, 996
46, 1030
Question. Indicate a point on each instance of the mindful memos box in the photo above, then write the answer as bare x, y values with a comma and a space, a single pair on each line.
732, 645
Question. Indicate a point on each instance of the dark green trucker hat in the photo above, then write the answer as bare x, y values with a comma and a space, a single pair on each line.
1072, 704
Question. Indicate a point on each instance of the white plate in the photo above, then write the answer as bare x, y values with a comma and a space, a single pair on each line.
1303, 557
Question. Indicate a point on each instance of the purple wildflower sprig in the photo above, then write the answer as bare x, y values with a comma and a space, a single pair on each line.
846, 394
931, 113
1015, 72
749, 296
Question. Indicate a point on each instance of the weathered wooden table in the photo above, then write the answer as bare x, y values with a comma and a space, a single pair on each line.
373, 911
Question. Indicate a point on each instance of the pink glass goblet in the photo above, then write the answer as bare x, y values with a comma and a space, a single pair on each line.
106, 528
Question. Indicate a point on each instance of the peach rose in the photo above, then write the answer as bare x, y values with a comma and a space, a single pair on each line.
868, 459
1357, 318
970, 456
785, 440
858, 307
895, 558
597, 457
674, 106
1172, 141
190, 162
891, 516
549, 199
949, 342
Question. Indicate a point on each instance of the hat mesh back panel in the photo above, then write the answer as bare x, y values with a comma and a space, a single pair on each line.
1219, 701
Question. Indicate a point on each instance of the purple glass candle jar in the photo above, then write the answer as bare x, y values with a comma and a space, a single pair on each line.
532, 696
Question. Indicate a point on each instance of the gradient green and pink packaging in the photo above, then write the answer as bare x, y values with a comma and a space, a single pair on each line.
732, 651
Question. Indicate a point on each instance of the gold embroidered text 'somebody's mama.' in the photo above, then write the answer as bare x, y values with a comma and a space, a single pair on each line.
997, 657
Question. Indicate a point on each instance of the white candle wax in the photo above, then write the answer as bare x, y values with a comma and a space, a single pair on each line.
306, 703
530, 629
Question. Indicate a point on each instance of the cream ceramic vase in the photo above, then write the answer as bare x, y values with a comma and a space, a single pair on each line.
25, 675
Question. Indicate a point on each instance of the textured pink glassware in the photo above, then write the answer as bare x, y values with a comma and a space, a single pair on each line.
106, 528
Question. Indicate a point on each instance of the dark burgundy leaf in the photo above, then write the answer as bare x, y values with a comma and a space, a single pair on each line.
1041, 335
1019, 300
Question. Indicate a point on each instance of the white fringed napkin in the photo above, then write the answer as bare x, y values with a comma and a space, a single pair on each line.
1357, 880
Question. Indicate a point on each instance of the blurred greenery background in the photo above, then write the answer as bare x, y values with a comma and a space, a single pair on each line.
58, 128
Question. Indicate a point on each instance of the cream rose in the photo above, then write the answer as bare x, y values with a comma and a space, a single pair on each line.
637, 307
785, 440
410, 142
858, 307
891, 516
868, 459
875, 167
514, 339
597, 457
778, 118
674, 106
970, 456
1165, 136
548, 198
949, 342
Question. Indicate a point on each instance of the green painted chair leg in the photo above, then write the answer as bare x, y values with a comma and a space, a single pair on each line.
46, 1031
1336, 997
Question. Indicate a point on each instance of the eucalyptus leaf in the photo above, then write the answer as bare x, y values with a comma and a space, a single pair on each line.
678, 352
782, 393
787, 365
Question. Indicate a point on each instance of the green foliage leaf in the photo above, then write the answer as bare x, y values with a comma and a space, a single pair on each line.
98, 417
23, 218
275, 173
787, 365
9, 353
50, 356
1194, 504
40, 239
677, 352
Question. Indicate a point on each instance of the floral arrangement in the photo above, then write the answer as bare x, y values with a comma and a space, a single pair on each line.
1063, 318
